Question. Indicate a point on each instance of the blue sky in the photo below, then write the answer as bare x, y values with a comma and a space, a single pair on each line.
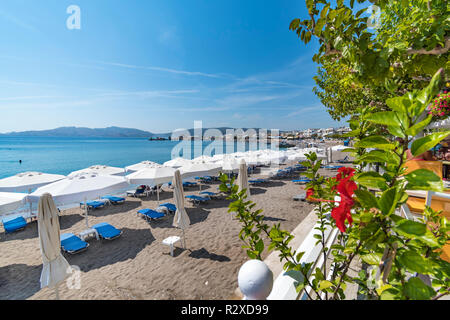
156, 65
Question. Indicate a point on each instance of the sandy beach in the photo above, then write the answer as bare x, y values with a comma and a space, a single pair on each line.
137, 265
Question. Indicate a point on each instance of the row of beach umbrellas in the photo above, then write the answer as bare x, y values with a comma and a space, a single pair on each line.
95, 181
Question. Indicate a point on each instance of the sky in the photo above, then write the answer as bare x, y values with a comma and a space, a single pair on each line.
156, 65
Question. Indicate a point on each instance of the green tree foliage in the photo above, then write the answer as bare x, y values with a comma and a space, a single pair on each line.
362, 64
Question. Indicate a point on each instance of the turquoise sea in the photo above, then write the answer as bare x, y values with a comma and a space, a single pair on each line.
64, 155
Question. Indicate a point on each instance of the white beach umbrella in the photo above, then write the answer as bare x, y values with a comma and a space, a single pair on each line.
177, 162
81, 188
181, 219
26, 181
242, 180
142, 165
10, 201
152, 176
203, 158
230, 165
200, 169
55, 267
101, 170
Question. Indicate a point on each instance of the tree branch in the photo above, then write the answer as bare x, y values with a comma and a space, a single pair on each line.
436, 51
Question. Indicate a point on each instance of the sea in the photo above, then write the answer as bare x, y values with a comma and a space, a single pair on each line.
65, 155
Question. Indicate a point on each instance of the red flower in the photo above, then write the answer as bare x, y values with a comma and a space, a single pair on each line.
346, 189
309, 193
345, 172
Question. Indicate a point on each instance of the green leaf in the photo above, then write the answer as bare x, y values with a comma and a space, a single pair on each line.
410, 228
390, 294
367, 199
325, 284
414, 262
423, 179
415, 289
432, 89
371, 180
372, 258
388, 118
399, 104
378, 142
259, 246
418, 127
415, 230
421, 145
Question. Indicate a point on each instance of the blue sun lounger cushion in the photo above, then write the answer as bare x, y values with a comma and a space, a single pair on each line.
256, 181
208, 193
93, 204
189, 184
151, 214
301, 181
170, 206
71, 243
114, 200
107, 231
14, 224
197, 199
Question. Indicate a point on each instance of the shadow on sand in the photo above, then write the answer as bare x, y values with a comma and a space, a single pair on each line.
204, 254
103, 252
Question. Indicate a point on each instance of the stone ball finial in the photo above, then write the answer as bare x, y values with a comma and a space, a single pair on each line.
255, 280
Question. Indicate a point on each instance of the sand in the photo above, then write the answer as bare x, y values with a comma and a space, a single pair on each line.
137, 265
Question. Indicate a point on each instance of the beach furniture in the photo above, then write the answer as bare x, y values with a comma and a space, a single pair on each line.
188, 184
197, 199
114, 200
107, 231
93, 204
257, 181
332, 167
301, 181
150, 214
72, 244
85, 234
170, 241
300, 197
171, 208
140, 192
208, 194
14, 224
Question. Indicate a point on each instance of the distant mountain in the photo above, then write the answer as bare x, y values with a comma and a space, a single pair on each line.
110, 132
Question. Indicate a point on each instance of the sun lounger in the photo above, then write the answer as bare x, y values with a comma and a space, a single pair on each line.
171, 208
114, 200
257, 181
141, 192
189, 184
72, 244
14, 224
301, 181
94, 204
107, 231
208, 194
333, 167
150, 214
197, 199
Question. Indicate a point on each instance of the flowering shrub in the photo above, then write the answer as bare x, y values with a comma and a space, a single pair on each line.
440, 107
404, 252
